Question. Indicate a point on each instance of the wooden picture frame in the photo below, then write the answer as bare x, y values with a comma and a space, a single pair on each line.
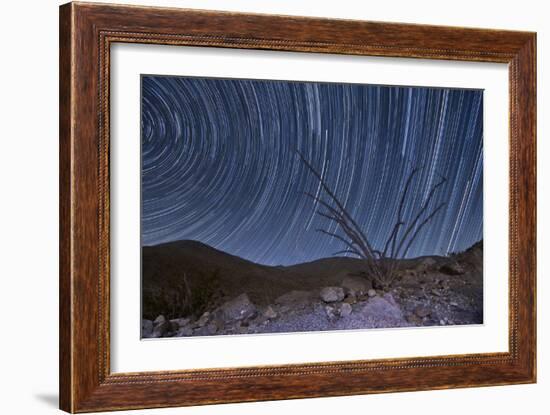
86, 33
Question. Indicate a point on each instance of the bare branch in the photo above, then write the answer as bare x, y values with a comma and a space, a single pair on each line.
417, 217
336, 201
391, 238
404, 194
381, 267
341, 220
336, 236
421, 226
348, 231
399, 219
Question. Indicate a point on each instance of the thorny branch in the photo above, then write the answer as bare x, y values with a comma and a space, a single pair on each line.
380, 263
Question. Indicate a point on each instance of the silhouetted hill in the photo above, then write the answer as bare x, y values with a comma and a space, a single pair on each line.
187, 277
166, 268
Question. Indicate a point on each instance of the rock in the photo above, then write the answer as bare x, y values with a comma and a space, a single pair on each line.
422, 311
452, 268
207, 330
389, 298
252, 328
259, 320
180, 322
331, 312
239, 308
203, 319
385, 311
350, 299
162, 329
269, 313
257, 325
219, 322
146, 328
185, 332
371, 293
159, 320
356, 285
212, 328
345, 309
332, 294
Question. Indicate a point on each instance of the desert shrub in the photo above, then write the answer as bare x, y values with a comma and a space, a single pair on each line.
183, 298
381, 263
206, 294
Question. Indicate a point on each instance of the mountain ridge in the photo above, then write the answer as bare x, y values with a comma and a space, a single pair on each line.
174, 269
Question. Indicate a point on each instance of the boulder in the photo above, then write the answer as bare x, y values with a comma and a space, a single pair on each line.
219, 322
203, 319
180, 322
331, 312
239, 308
332, 294
345, 309
212, 328
185, 332
159, 320
270, 313
162, 329
207, 330
385, 311
371, 293
146, 328
259, 320
356, 285
389, 298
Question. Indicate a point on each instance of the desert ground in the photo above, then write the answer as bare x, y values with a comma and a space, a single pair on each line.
192, 289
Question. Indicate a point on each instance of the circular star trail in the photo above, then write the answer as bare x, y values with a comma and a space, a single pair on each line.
220, 164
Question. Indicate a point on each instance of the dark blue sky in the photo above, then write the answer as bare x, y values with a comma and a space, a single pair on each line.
219, 163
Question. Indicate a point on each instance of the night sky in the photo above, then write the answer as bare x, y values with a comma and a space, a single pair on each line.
220, 164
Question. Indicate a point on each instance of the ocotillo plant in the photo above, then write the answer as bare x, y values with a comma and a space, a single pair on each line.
380, 262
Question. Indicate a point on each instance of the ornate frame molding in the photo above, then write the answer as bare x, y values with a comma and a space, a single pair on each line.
86, 33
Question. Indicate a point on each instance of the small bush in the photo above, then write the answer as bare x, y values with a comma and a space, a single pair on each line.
183, 298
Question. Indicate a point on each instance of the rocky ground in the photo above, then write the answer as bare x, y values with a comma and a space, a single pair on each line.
428, 291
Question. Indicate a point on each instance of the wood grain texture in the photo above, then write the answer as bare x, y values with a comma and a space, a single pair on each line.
65, 138
86, 33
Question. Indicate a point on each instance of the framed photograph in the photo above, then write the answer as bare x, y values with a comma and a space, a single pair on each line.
259, 207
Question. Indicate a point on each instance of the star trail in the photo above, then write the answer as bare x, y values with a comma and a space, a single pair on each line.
220, 164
